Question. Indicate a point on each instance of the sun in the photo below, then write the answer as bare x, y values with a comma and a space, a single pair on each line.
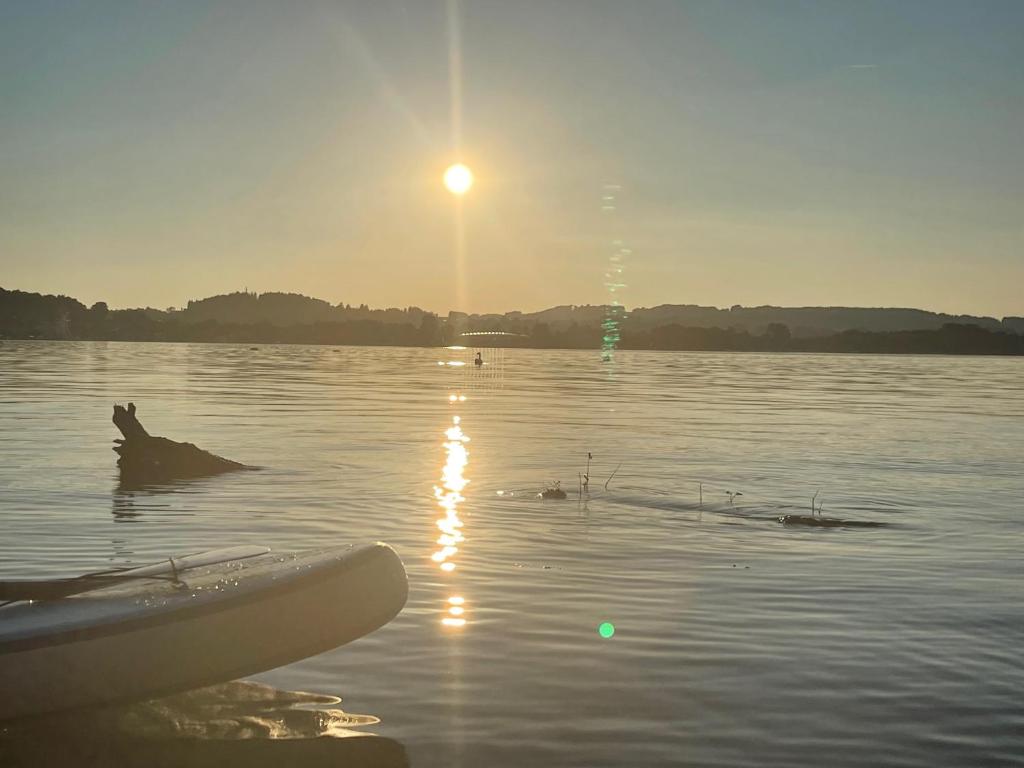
458, 179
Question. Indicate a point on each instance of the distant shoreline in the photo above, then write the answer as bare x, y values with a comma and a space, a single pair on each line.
278, 318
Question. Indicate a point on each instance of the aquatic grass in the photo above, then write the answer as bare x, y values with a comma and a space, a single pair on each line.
606, 482
813, 498
585, 476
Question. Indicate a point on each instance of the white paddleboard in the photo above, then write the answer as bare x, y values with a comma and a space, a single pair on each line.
143, 637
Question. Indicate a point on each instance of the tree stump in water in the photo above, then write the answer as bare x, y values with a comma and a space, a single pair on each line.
144, 458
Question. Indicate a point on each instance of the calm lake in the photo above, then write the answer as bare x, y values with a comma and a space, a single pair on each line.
737, 640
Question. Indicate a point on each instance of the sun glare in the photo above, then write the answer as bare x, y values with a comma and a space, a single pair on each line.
458, 179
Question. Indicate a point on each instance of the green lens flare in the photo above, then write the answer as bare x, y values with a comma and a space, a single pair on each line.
606, 630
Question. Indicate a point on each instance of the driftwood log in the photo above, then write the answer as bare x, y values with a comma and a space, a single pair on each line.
145, 458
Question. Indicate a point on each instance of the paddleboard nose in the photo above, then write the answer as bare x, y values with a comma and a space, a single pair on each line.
146, 638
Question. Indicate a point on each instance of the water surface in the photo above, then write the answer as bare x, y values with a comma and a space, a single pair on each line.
738, 640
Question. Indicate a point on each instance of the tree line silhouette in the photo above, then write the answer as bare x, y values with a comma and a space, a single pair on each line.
293, 319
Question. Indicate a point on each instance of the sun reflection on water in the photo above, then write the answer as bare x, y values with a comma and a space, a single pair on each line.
449, 495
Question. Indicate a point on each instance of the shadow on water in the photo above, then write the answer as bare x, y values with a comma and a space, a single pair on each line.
131, 499
133, 495
763, 511
129, 482
239, 723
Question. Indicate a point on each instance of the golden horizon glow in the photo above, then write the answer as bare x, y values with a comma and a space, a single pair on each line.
458, 179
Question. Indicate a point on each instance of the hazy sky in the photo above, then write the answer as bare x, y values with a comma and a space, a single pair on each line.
854, 152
